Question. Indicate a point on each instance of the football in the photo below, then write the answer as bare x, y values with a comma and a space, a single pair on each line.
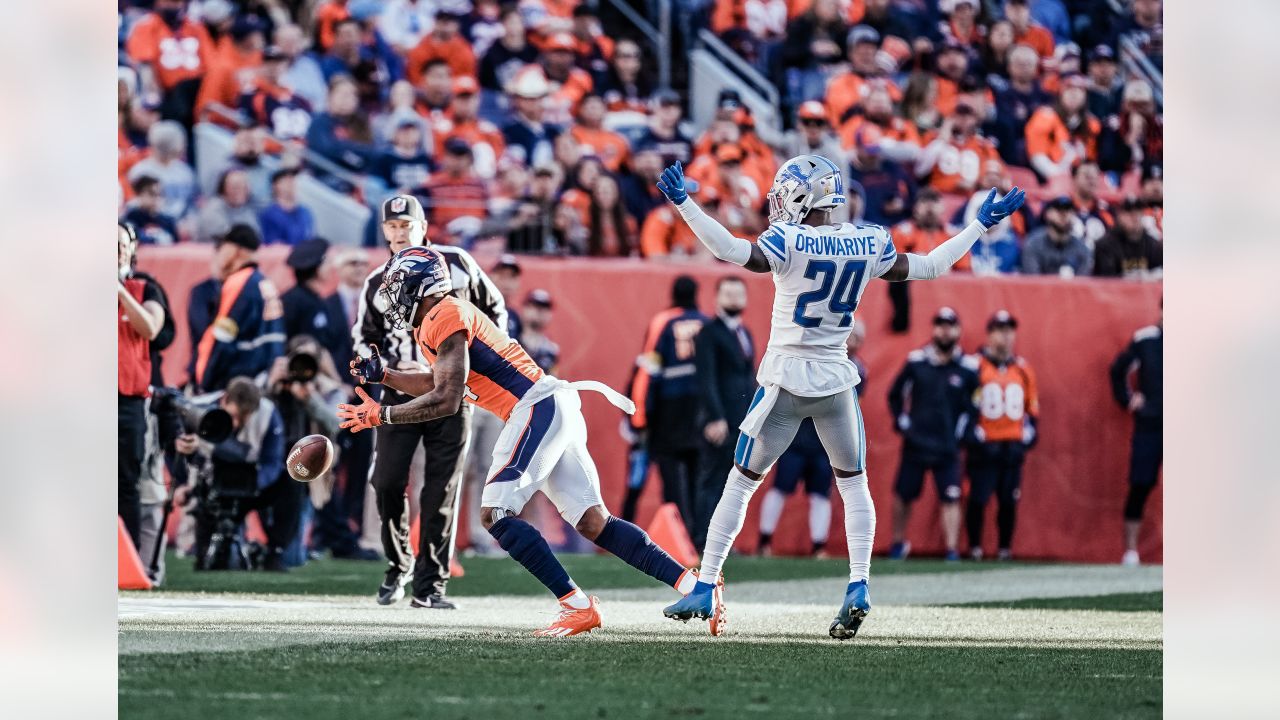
309, 458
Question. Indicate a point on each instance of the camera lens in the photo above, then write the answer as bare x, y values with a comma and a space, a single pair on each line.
303, 366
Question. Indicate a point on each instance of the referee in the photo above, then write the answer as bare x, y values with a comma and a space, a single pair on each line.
444, 440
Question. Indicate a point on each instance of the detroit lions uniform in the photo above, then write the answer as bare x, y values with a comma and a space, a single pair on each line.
819, 275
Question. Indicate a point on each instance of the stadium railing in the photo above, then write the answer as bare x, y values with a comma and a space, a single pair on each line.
714, 66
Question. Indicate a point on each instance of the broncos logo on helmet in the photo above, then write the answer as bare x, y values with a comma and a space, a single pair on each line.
413, 273
804, 183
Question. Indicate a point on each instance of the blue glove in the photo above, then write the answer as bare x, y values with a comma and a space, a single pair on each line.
993, 211
672, 184
370, 369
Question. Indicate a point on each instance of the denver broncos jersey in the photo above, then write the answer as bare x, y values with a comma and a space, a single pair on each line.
501, 371
819, 275
1007, 398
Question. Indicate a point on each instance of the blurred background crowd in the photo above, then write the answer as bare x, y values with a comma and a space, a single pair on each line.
540, 126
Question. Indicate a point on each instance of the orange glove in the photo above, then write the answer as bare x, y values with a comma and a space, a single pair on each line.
366, 415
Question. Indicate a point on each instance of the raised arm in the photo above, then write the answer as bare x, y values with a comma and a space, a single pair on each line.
722, 243
910, 266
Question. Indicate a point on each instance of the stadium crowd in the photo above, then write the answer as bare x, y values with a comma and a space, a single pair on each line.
538, 125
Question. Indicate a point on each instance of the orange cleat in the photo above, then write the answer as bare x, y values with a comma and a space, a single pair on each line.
572, 621
716, 621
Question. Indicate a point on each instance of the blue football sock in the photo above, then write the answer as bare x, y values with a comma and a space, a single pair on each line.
526, 546
633, 545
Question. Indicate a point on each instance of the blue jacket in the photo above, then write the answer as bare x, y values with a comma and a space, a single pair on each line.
246, 334
289, 227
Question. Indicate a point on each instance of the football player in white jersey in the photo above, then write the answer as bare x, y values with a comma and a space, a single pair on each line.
819, 271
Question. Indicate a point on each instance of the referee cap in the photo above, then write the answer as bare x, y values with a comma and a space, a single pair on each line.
402, 207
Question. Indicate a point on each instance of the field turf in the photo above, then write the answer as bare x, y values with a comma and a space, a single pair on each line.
973, 640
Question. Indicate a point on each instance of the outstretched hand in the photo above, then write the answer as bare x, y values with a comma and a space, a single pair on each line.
369, 369
993, 211
672, 184
365, 416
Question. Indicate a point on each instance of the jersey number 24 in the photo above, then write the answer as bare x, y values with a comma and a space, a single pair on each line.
841, 294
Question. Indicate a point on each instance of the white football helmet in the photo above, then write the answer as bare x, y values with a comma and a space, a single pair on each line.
804, 183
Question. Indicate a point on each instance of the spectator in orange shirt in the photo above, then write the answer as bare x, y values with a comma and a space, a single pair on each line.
1064, 134
569, 84
444, 42
952, 67
594, 48
847, 90
455, 191
326, 21
1027, 31
172, 53
463, 121
899, 140
961, 25
232, 70
435, 93
612, 230
581, 183
666, 234
591, 135
926, 229
953, 156
740, 196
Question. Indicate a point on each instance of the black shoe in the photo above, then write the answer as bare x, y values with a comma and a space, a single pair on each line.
433, 602
392, 589
274, 562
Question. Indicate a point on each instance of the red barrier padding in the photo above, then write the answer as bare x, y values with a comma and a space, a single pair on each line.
1075, 481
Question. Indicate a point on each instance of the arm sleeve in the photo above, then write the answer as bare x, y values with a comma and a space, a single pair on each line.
711, 233
708, 383
1120, 375
941, 258
895, 393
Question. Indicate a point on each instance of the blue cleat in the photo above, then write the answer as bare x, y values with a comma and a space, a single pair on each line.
900, 550
857, 603
953, 556
699, 603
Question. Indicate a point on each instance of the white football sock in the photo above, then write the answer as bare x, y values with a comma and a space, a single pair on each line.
577, 600
859, 523
687, 580
726, 523
819, 518
771, 510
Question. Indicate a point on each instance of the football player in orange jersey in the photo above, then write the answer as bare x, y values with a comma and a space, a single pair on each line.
543, 446
1008, 404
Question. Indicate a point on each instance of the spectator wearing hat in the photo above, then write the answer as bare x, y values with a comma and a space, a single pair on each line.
463, 121
143, 212
444, 42
405, 164
567, 83
246, 332
1015, 101
591, 135
454, 191
529, 138
232, 67
341, 133
1060, 135
285, 220
961, 24
899, 140
624, 87
813, 135
151, 45
434, 92
166, 162
1128, 250
1026, 31
1057, 247
931, 401
1105, 85
1134, 137
664, 131
232, 206
536, 313
271, 104
887, 186
1008, 401
954, 154
998, 251
847, 90
305, 310
509, 53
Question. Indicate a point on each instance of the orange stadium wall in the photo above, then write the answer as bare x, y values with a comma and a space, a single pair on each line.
1074, 482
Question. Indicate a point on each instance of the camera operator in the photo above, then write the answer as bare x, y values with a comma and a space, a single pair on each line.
305, 388
241, 473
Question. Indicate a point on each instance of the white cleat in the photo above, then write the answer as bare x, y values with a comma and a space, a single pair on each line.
1130, 558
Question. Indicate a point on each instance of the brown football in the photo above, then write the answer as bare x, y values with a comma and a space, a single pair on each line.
309, 458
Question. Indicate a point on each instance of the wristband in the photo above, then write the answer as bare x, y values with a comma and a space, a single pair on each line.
385, 414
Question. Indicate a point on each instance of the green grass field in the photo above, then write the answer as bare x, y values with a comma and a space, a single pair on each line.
973, 640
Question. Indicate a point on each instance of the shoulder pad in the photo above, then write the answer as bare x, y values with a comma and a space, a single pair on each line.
1147, 333
916, 355
970, 362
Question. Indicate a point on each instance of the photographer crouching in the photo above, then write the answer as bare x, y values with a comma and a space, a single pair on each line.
234, 474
